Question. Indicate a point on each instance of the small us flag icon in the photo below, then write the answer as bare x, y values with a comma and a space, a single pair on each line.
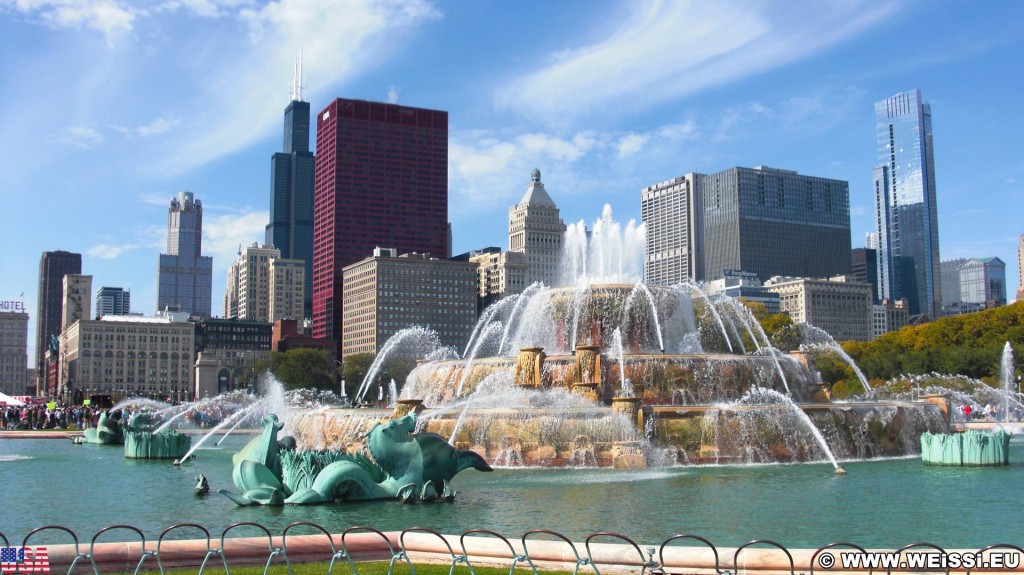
24, 560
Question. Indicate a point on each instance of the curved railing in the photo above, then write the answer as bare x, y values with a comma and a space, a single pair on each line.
58, 549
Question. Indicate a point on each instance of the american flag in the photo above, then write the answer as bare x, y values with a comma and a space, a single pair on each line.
24, 560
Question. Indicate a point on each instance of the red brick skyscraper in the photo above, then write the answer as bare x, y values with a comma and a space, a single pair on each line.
381, 180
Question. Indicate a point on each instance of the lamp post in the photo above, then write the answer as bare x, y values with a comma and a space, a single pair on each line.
341, 384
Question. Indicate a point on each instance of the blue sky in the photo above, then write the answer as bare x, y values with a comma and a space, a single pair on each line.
111, 107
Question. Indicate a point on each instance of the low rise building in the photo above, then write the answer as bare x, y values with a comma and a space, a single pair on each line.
890, 315
13, 348
386, 293
746, 286
234, 349
128, 356
841, 308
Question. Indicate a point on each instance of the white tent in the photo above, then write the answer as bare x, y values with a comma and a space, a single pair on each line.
4, 398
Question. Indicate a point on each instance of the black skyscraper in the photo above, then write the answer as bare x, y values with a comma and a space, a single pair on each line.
291, 190
53, 266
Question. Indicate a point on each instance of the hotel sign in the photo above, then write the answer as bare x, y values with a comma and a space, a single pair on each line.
12, 306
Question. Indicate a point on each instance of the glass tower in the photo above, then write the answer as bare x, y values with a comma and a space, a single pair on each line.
291, 195
905, 207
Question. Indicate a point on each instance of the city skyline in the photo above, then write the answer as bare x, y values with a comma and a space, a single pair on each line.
603, 101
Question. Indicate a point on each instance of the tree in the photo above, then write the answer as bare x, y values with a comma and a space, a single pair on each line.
304, 368
771, 323
968, 345
354, 369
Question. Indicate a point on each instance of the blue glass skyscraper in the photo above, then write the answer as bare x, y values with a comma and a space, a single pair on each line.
905, 207
290, 229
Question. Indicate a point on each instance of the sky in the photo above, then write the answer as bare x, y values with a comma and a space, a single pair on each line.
110, 108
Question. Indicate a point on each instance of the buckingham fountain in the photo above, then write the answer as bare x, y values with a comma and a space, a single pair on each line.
607, 371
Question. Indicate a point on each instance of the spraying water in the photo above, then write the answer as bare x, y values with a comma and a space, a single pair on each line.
767, 395
625, 385
418, 336
491, 329
516, 309
710, 307
642, 289
1006, 371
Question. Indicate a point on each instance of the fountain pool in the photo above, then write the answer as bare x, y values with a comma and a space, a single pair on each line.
881, 503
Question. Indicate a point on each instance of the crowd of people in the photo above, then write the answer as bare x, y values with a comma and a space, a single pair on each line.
989, 413
80, 417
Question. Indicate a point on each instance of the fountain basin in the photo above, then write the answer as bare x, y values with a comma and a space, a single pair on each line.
595, 436
148, 445
971, 448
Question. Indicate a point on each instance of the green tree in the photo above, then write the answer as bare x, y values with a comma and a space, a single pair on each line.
353, 370
304, 369
970, 345
771, 323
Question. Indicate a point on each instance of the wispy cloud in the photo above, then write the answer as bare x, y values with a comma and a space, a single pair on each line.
156, 127
206, 8
223, 234
664, 50
393, 95
483, 163
109, 252
109, 17
340, 39
81, 137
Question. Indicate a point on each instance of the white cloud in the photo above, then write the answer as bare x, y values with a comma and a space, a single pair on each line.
223, 234
154, 128
205, 8
483, 164
664, 50
340, 40
392, 95
82, 137
109, 252
110, 17
631, 144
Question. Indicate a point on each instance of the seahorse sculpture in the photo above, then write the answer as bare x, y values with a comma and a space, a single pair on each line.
400, 465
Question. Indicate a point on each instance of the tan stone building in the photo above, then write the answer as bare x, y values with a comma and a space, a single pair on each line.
287, 286
77, 299
13, 348
387, 293
891, 315
499, 274
536, 230
842, 308
128, 356
262, 286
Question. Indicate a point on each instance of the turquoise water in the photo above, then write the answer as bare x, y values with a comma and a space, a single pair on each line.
881, 504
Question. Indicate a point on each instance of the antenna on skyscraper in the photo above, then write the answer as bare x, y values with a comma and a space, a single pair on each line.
298, 82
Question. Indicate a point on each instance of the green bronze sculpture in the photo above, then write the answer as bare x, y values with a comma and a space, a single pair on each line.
401, 465
108, 429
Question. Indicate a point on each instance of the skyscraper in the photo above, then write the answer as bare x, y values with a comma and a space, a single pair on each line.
113, 301
905, 207
535, 230
291, 190
381, 180
185, 281
263, 286
762, 220
673, 216
53, 266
